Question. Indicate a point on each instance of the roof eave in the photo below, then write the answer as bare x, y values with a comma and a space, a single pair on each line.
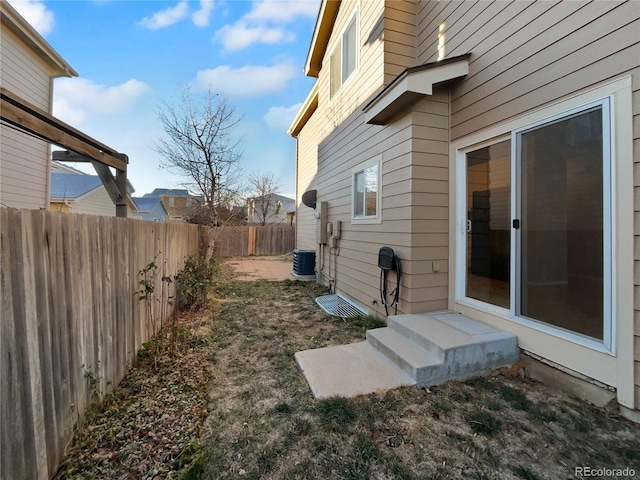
10, 18
309, 106
321, 34
411, 85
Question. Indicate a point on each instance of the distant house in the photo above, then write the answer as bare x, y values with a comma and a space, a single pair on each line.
166, 204
28, 65
269, 209
74, 191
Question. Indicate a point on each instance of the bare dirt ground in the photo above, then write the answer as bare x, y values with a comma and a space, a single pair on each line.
234, 405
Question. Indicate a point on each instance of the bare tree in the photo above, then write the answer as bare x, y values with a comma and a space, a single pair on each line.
264, 206
200, 145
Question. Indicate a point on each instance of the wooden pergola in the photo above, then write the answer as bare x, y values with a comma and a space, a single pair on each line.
81, 147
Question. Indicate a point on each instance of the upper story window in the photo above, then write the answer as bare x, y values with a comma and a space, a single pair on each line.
344, 58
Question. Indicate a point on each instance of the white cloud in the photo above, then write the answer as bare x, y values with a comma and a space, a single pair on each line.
201, 17
283, 11
166, 17
280, 118
36, 13
76, 98
247, 81
240, 35
257, 26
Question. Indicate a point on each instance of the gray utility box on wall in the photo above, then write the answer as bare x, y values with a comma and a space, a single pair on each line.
304, 262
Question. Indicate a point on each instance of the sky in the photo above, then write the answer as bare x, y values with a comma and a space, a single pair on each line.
132, 56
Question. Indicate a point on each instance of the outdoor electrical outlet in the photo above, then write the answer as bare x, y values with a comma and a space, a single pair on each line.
435, 267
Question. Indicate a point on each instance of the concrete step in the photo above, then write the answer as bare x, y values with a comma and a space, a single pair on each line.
423, 350
464, 346
417, 362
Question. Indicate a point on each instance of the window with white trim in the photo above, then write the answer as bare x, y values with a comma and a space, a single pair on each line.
344, 58
366, 192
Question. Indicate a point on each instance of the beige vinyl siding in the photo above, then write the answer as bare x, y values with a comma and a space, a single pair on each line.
306, 171
429, 205
537, 53
23, 159
399, 39
97, 202
350, 145
22, 72
367, 78
413, 152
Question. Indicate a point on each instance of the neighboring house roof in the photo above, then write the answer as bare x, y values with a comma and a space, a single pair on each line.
172, 201
13, 21
288, 204
57, 167
72, 186
145, 204
174, 192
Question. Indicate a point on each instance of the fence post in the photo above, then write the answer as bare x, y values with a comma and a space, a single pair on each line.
252, 241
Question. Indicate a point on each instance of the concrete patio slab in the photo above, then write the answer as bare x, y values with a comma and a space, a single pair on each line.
349, 371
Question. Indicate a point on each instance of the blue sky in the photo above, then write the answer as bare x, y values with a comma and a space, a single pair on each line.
133, 55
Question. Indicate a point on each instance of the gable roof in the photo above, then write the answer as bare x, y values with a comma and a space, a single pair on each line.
145, 204
72, 186
15, 23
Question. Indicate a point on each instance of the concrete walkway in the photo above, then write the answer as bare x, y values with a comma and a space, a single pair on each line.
275, 269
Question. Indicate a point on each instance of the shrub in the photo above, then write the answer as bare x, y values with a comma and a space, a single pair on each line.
195, 281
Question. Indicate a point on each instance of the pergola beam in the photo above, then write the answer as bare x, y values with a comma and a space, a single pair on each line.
26, 116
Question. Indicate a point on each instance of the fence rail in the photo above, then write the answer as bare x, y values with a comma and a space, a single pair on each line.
253, 240
71, 321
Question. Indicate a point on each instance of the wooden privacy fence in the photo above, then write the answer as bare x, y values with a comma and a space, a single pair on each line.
253, 240
71, 321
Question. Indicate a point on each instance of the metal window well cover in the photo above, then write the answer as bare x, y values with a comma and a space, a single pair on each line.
339, 306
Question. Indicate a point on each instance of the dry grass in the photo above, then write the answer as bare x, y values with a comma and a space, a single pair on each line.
264, 424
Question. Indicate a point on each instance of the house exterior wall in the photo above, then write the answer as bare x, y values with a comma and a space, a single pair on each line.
306, 176
368, 76
352, 144
399, 37
59, 207
24, 159
525, 57
97, 202
528, 60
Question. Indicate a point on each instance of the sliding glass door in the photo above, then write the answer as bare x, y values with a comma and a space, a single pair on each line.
561, 239
537, 224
